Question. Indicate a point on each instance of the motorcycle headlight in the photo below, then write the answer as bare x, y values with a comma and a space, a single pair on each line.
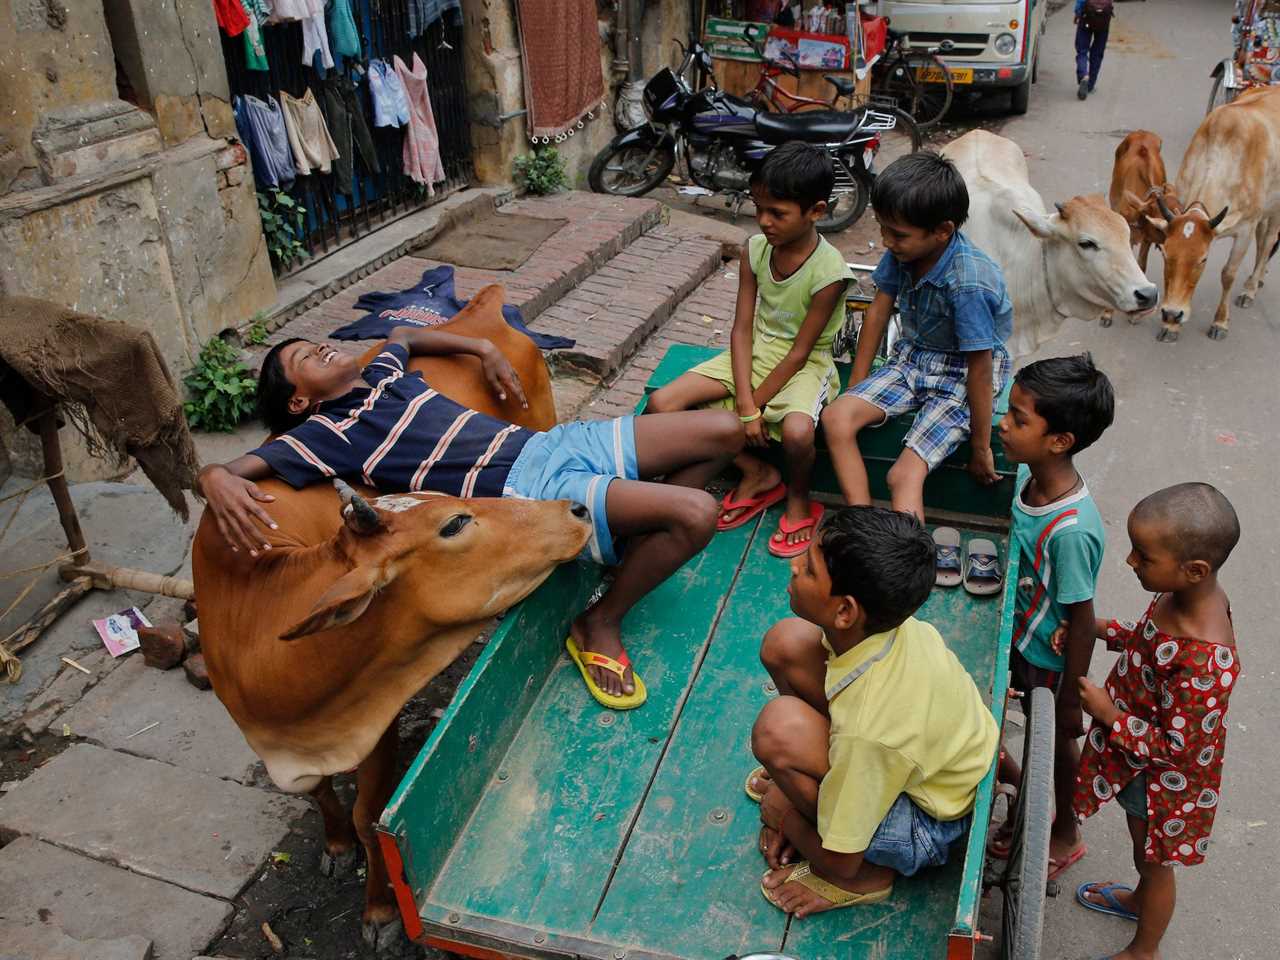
1005, 44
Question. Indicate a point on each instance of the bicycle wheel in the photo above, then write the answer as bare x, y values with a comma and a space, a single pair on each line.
920, 84
1024, 884
903, 139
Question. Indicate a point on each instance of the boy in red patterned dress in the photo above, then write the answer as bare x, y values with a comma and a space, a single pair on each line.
1159, 728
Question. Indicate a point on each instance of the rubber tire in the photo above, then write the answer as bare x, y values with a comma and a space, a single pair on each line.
1035, 67
1024, 881
909, 123
1213, 95
855, 210
1021, 99
910, 62
596, 174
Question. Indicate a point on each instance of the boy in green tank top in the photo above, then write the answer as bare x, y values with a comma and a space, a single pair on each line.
779, 371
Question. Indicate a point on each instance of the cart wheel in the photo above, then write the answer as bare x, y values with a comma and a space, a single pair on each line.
1216, 95
1024, 884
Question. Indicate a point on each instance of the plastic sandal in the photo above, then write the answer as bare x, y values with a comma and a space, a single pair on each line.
625, 701
982, 574
778, 545
751, 507
946, 553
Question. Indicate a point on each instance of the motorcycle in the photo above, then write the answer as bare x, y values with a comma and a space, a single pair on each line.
720, 139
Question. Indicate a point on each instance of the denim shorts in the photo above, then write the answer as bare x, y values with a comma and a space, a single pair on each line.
1133, 798
578, 461
908, 839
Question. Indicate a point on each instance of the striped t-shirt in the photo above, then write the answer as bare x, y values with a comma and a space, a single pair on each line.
398, 434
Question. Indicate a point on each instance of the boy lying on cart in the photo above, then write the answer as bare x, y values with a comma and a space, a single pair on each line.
873, 751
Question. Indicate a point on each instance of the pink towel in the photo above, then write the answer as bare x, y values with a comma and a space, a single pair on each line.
421, 141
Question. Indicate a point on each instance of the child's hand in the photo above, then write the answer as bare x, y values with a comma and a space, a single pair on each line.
983, 466
1097, 702
1058, 641
756, 435
233, 501
502, 377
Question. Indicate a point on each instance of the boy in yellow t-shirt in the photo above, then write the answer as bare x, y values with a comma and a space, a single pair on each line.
779, 371
873, 752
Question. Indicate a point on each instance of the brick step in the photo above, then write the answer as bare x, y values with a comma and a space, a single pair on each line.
614, 310
600, 227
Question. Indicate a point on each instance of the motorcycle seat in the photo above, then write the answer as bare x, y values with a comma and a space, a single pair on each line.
844, 86
811, 126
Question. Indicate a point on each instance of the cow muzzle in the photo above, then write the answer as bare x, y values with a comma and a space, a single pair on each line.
1172, 316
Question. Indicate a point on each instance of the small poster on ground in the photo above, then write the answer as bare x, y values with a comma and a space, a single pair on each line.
119, 632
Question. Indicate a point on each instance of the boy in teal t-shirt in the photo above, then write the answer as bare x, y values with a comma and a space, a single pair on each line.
1057, 407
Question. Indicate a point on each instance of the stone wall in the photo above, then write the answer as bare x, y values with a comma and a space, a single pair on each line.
495, 84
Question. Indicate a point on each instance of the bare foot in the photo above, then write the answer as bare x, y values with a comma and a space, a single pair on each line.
1062, 847
798, 512
591, 632
757, 477
1127, 899
800, 900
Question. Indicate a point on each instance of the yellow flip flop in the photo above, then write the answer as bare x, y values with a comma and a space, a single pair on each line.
746, 784
626, 701
838, 896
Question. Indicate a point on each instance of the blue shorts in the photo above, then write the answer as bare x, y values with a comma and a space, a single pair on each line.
1133, 798
932, 382
908, 839
578, 461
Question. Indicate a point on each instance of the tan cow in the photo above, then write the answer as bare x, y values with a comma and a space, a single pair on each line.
315, 646
1137, 175
1076, 262
1230, 180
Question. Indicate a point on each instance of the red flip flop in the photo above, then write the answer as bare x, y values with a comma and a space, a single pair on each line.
751, 507
1058, 867
778, 545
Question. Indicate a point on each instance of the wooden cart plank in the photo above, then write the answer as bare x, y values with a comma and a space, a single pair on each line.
542, 842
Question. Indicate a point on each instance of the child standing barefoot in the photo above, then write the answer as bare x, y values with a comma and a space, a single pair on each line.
779, 371
1159, 729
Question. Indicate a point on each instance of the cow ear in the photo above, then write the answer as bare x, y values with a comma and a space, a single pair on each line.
1136, 202
341, 604
1159, 223
1040, 225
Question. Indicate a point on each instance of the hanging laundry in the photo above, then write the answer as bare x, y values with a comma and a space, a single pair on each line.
421, 142
255, 52
423, 13
315, 39
313, 148
230, 16
261, 127
390, 102
296, 9
428, 303
342, 29
344, 115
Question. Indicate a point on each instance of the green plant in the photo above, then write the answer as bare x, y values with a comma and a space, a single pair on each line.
283, 223
220, 391
258, 331
542, 171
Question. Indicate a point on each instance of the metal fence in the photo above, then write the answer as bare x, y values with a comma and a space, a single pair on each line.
333, 218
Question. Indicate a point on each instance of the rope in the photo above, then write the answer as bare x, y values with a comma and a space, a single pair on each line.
37, 568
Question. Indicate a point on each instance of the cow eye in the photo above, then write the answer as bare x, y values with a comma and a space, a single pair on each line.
1088, 245
455, 525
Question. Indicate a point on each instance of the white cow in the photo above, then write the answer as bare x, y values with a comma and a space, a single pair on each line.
1073, 263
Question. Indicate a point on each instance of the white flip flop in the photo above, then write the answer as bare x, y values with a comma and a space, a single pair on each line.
982, 574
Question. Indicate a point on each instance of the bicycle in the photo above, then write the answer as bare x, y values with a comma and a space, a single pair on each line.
770, 95
917, 81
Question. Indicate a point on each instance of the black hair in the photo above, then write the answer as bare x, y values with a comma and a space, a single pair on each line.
275, 390
1199, 521
882, 558
922, 189
796, 171
1072, 395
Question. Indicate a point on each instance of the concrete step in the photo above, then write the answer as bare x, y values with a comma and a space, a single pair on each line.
613, 311
599, 228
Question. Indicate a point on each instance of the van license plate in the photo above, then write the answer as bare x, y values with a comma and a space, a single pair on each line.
934, 74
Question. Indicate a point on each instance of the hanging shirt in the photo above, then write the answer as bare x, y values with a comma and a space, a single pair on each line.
390, 102
261, 127
296, 9
397, 434
428, 303
343, 114
342, 29
313, 148
230, 16
255, 52
423, 13
315, 39
421, 143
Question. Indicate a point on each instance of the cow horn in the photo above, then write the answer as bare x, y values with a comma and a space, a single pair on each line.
1062, 210
1160, 202
360, 518
1213, 224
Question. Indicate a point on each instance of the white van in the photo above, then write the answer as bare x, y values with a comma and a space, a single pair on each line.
996, 44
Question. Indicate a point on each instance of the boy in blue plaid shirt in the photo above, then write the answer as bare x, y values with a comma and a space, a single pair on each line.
950, 362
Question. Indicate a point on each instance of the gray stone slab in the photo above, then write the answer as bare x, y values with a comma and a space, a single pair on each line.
192, 728
84, 898
39, 941
197, 831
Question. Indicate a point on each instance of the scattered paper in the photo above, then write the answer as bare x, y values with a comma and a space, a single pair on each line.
1254, 824
66, 729
695, 192
119, 632
279, 857
706, 319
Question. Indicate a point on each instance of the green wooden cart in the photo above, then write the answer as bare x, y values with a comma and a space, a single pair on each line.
535, 823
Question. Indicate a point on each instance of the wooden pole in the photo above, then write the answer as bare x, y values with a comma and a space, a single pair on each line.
58, 485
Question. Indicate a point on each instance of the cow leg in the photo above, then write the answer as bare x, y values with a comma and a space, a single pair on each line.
1105, 319
1222, 318
1144, 251
375, 782
339, 853
1265, 237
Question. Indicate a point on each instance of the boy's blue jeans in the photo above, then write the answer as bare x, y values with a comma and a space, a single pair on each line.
1090, 45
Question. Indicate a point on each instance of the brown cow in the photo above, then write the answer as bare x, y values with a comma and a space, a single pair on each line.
1231, 175
1139, 169
316, 645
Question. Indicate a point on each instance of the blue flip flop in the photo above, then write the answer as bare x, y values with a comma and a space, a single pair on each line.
1107, 892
